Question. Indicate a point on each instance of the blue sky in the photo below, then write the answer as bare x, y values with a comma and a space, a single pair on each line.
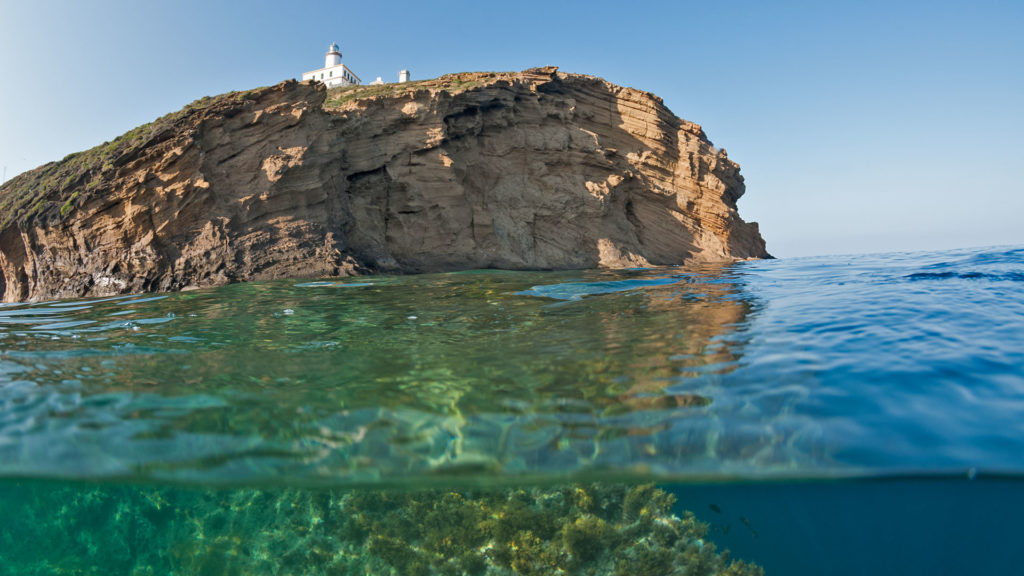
861, 127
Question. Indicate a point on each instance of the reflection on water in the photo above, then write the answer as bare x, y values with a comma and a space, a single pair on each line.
805, 368
352, 427
492, 373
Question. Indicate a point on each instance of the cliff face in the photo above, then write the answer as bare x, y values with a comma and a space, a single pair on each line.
538, 169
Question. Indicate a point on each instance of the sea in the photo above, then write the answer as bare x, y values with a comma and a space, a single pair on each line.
841, 415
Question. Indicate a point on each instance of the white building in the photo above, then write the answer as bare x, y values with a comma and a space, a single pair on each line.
403, 76
334, 73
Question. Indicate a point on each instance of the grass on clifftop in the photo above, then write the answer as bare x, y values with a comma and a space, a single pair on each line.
461, 82
31, 193
57, 187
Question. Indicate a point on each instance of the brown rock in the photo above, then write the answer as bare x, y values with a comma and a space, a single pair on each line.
537, 169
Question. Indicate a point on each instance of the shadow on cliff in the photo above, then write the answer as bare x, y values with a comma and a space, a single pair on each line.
532, 172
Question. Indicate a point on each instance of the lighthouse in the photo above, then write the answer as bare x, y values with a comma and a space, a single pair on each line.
334, 74
333, 56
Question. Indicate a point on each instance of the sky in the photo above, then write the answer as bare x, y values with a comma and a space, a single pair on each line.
859, 126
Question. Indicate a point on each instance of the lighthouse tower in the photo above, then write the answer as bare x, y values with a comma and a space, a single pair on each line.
333, 56
334, 73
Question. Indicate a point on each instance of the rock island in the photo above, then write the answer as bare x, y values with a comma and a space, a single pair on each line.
538, 169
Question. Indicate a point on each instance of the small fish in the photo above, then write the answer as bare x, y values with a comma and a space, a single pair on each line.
748, 525
715, 508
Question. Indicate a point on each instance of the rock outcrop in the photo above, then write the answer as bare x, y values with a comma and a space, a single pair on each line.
530, 170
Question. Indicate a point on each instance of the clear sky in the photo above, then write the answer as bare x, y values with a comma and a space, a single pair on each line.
859, 126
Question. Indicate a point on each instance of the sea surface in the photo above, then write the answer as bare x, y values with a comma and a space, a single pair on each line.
832, 415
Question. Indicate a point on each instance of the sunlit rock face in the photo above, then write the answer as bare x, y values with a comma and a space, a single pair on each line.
531, 170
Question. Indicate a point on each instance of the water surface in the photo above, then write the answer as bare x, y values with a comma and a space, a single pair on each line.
770, 373
906, 363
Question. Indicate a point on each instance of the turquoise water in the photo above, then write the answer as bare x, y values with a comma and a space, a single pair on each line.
251, 412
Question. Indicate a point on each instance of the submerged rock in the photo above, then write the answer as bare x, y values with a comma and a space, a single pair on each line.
531, 170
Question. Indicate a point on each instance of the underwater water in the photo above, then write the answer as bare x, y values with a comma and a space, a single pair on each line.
837, 415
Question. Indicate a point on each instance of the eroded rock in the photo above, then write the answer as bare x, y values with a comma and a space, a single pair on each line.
531, 170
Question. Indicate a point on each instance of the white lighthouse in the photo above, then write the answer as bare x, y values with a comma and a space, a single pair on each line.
333, 56
334, 73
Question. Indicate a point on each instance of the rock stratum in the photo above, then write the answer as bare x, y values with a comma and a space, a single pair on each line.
532, 170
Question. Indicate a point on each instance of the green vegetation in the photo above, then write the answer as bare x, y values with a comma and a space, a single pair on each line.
572, 529
584, 529
56, 188
67, 205
449, 82
62, 184
339, 96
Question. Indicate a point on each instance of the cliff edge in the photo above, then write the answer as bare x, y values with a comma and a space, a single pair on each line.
531, 170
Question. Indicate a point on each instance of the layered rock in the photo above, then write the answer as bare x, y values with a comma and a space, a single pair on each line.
531, 170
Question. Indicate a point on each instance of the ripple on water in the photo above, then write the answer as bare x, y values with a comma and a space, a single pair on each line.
805, 367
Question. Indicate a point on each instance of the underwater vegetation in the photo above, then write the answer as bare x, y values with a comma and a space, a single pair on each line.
585, 529
574, 529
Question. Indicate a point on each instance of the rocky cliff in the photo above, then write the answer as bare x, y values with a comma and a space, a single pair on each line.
538, 169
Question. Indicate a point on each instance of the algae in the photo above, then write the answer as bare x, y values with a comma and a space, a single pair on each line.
585, 529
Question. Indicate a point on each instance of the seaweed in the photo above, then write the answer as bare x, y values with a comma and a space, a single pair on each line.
576, 529
585, 529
